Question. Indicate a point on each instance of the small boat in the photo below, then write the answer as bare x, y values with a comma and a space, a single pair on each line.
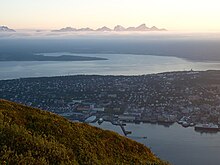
191, 124
185, 124
100, 121
209, 127
90, 119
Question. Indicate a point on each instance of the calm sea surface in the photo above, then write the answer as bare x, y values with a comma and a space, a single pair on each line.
178, 145
117, 64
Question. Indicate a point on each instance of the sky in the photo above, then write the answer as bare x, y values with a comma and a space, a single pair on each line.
189, 15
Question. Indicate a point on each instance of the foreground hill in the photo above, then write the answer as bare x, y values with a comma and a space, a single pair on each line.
33, 136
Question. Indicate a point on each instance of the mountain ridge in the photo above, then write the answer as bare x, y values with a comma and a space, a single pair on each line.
117, 28
6, 29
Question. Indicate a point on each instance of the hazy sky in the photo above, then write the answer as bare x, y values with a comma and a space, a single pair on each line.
194, 15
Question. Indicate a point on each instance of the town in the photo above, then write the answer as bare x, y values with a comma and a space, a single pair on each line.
190, 98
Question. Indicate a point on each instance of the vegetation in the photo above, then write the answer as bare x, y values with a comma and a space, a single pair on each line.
33, 136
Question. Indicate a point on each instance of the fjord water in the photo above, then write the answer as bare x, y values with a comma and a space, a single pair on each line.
117, 64
127, 54
178, 145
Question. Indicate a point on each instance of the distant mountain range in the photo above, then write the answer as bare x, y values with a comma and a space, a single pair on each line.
6, 29
141, 27
117, 28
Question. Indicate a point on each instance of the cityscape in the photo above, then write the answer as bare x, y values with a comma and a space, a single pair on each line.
190, 98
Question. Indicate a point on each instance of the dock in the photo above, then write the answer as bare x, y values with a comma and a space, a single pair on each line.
124, 131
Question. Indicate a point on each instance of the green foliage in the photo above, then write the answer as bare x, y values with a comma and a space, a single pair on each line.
33, 136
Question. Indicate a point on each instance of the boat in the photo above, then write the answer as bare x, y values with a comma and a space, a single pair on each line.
191, 124
115, 122
185, 124
90, 119
208, 127
100, 121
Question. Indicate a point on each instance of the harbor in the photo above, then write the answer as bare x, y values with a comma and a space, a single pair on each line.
158, 137
122, 122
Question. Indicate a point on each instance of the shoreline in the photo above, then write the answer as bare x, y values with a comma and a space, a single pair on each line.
104, 75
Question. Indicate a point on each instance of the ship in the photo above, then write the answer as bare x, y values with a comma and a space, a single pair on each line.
207, 127
90, 119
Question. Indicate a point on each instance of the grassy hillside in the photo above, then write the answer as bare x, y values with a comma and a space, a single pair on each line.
33, 136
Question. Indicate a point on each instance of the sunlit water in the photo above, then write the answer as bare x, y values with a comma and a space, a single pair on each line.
117, 64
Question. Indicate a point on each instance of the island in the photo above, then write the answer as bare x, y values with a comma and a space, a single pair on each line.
41, 57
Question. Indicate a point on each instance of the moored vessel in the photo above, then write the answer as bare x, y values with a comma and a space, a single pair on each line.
208, 127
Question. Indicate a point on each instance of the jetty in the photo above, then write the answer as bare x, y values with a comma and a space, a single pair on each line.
124, 131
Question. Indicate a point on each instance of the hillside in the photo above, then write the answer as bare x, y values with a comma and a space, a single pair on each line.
33, 136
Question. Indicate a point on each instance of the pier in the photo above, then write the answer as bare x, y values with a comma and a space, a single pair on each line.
101, 119
122, 125
124, 131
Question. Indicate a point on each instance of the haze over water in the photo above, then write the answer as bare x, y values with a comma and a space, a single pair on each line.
127, 54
